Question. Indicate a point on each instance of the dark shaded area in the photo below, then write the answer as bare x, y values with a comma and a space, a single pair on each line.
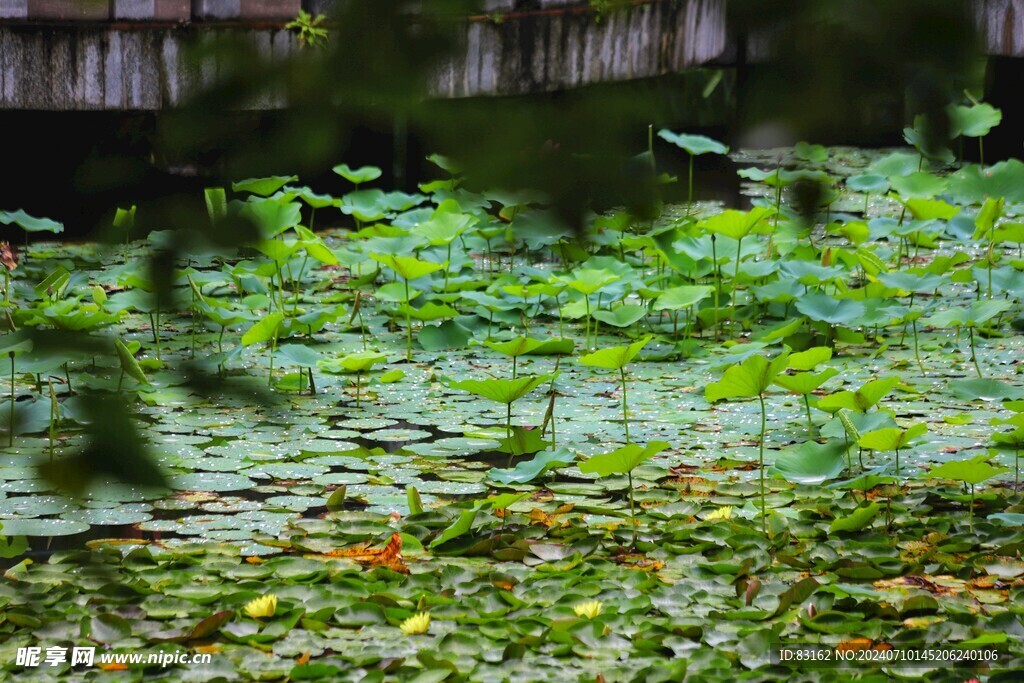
829, 68
97, 161
1004, 83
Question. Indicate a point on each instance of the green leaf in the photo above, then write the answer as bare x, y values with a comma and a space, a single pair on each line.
739, 224
413, 498
271, 217
514, 348
694, 144
918, 185
277, 250
796, 594
809, 359
614, 358
782, 330
749, 379
985, 390
13, 546
528, 470
504, 500
856, 520
848, 424
391, 376
1012, 233
991, 211
447, 335
912, 282
428, 312
366, 205
446, 224
870, 262
109, 628
973, 471
315, 246
972, 316
505, 391
124, 219
682, 297
622, 460
824, 308
973, 184
897, 163
868, 182
53, 283
407, 267
461, 526
891, 438
975, 121
866, 481
804, 383
16, 342
522, 441
300, 355
931, 209
264, 187
128, 362
264, 330
358, 176
622, 316
983, 311
30, 223
336, 500
216, 204
396, 292
589, 280
816, 154
861, 400
811, 462
358, 362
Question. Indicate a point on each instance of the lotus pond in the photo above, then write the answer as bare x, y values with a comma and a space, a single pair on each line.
447, 439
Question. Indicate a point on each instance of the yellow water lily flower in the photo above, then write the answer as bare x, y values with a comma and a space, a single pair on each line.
416, 624
589, 609
261, 608
719, 514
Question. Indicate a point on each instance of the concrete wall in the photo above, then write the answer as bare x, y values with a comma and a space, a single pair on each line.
537, 51
1001, 22
98, 66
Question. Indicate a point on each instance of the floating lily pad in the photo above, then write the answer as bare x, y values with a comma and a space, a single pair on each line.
398, 435
44, 527
214, 481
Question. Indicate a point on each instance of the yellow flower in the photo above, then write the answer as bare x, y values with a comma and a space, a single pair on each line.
589, 609
262, 607
719, 514
416, 624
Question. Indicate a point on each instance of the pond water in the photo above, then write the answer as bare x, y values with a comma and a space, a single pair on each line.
269, 479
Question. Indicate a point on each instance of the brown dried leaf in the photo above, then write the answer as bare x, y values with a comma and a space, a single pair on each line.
8, 255
389, 556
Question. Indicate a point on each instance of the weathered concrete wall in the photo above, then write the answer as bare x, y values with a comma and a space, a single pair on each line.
1001, 23
97, 68
556, 45
550, 50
